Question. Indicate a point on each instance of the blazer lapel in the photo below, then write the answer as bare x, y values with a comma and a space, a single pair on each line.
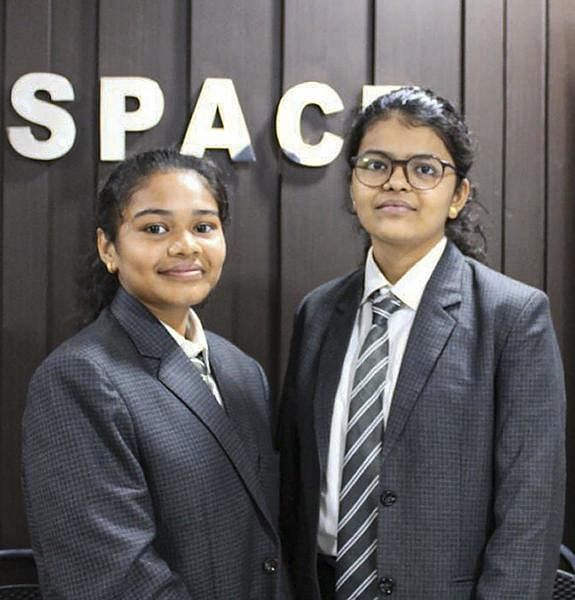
177, 373
184, 381
236, 404
240, 409
433, 324
332, 354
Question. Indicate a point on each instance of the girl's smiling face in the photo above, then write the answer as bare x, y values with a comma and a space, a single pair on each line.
170, 246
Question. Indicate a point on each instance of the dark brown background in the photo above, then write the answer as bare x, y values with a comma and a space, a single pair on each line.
508, 64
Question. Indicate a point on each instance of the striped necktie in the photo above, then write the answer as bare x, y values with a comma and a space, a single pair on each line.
199, 362
356, 567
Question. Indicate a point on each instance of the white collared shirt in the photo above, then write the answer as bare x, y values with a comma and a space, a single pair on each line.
193, 344
409, 289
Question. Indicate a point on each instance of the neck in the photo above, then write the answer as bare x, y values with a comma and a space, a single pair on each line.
395, 261
176, 319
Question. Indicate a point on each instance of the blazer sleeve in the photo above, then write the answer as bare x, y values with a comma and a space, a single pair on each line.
90, 514
522, 553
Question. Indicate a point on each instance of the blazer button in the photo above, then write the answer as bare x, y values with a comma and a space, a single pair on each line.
270, 565
386, 585
388, 498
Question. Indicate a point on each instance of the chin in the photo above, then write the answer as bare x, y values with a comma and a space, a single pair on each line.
393, 240
198, 297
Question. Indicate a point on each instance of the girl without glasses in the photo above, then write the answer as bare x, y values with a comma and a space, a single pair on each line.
422, 421
148, 464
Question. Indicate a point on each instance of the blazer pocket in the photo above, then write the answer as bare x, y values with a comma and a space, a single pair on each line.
463, 588
463, 580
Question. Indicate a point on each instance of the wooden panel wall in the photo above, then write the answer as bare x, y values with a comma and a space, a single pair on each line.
316, 233
419, 43
506, 63
246, 303
560, 225
73, 177
25, 249
484, 104
524, 215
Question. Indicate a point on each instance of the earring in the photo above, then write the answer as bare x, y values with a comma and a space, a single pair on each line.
453, 212
110, 267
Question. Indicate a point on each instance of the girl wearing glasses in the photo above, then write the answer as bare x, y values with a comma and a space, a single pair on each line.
422, 422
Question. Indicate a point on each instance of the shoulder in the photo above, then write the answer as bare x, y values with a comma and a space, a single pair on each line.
82, 380
217, 343
233, 357
478, 282
500, 291
327, 294
100, 343
501, 304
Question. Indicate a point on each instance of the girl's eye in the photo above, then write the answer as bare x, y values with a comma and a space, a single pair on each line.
376, 165
427, 170
205, 227
425, 167
373, 163
156, 228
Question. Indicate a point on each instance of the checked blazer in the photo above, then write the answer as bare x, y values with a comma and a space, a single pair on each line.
138, 484
472, 467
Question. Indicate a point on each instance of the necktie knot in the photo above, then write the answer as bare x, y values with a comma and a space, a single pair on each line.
200, 363
384, 304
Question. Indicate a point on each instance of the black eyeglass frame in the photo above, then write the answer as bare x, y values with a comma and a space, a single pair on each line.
403, 164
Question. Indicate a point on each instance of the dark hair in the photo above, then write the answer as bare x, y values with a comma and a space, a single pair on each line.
99, 286
418, 107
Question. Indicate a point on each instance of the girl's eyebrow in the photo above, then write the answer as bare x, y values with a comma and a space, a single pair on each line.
393, 155
164, 212
152, 211
206, 211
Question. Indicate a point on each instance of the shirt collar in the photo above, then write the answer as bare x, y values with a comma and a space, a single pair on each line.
195, 341
409, 289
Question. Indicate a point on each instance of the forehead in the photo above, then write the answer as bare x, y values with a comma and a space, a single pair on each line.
172, 190
401, 140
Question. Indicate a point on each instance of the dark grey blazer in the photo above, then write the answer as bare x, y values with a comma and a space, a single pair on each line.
138, 484
474, 446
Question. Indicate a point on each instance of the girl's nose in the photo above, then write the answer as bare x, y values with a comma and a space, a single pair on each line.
398, 179
184, 244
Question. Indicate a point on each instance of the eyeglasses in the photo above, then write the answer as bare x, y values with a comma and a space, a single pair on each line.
423, 171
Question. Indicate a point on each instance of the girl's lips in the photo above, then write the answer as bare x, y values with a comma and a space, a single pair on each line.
396, 207
183, 271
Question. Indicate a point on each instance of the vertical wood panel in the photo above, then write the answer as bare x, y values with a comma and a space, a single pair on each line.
524, 242
484, 111
318, 240
241, 41
148, 39
5, 422
72, 178
419, 43
561, 214
24, 254
3, 358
